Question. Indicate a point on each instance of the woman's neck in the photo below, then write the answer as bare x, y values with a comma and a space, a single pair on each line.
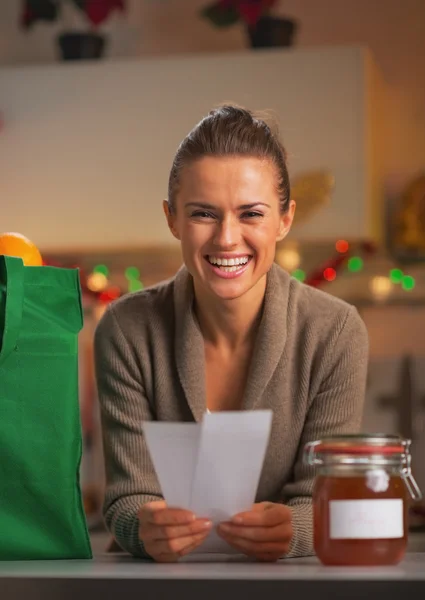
230, 323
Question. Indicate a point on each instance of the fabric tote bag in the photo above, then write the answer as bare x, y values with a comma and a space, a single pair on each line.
41, 509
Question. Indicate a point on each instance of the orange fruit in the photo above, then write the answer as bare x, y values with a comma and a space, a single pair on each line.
15, 244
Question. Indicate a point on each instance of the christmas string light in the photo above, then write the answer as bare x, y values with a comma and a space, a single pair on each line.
328, 271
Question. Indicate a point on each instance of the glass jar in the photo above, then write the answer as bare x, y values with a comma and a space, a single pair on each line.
361, 498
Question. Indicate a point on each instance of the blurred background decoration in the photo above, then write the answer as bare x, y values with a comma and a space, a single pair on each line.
73, 45
264, 30
409, 222
311, 191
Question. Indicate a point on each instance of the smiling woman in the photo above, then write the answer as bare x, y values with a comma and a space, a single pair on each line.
231, 331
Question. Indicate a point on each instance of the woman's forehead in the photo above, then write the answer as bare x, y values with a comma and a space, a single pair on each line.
212, 173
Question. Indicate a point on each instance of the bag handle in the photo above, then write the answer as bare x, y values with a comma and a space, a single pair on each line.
14, 269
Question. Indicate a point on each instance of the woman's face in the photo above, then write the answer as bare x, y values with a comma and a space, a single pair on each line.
228, 221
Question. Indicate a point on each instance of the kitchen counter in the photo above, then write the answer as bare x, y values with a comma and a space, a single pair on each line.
109, 576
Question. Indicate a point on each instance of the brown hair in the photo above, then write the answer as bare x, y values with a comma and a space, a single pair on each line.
231, 131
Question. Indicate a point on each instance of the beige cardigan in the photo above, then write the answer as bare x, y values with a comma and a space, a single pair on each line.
309, 366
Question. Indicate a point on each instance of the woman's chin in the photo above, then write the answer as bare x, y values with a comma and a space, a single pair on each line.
227, 289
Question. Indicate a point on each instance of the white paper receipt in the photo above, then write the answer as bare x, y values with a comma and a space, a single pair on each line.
212, 468
366, 519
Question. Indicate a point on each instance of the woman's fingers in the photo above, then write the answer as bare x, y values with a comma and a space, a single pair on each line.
168, 532
257, 534
158, 513
172, 550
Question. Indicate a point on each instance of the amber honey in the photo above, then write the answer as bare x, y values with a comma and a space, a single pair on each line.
361, 498
357, 551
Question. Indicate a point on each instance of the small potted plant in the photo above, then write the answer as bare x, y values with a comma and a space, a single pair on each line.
263, 29
74, 45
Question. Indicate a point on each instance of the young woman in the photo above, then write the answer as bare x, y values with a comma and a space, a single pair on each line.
231, 331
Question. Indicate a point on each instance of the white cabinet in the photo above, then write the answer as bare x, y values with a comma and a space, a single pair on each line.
86, 148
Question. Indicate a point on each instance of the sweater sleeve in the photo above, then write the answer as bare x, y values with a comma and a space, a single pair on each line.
130, 476
337, 408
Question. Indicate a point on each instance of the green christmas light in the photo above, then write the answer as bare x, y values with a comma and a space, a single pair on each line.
132, 273
408, 283
134, 285
355, 264
103, 269
299, 274
396, 275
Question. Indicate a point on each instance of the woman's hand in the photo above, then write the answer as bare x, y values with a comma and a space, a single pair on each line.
265, 532
169, 533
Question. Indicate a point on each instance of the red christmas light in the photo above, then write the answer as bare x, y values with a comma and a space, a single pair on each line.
342, 246
329, 274
110, 294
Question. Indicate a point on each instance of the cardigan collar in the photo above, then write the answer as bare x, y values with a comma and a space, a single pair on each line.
268, 347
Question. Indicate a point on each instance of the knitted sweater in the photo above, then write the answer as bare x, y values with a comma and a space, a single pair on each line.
309, 366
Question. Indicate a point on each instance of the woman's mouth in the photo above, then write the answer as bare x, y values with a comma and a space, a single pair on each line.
230, 266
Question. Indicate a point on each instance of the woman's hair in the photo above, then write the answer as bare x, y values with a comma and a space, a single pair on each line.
231, 130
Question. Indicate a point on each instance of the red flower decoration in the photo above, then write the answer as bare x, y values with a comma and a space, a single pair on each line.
98, 11
27, 17
249, 10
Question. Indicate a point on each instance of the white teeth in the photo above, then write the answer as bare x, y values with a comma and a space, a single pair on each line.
228, 262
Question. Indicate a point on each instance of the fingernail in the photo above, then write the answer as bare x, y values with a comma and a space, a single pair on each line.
208, 524
237, 520
224, 527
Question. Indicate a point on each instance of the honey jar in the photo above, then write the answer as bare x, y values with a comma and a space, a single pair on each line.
361, 498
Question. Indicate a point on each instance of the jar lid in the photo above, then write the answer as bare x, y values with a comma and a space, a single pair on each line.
366, 444
358, 449
369, 451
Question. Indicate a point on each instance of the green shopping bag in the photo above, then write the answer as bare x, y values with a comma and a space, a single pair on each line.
41, 510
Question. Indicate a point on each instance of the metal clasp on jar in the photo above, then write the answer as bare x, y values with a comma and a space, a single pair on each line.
408, 478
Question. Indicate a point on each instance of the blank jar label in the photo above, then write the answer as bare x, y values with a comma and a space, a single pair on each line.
365, 519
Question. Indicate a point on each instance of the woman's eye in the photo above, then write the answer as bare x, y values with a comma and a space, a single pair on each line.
252, 214
202, 214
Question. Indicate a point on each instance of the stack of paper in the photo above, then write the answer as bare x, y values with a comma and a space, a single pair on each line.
211, 468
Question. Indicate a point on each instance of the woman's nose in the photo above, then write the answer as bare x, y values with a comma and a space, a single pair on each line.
227, 233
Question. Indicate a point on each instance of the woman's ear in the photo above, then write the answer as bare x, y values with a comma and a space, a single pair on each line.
286, 221
171, 218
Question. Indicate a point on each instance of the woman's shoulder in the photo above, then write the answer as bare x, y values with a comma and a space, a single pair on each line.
317, 310
317, 301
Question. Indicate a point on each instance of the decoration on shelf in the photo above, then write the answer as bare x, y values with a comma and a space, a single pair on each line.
408, 283
299, 274
110, 294
97, 282
355, 264
74, 45
288, 256
263, 29
380, 287
409, 222
132, 275
311, 191
15, 244
342, 246
397, 276
328, 271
